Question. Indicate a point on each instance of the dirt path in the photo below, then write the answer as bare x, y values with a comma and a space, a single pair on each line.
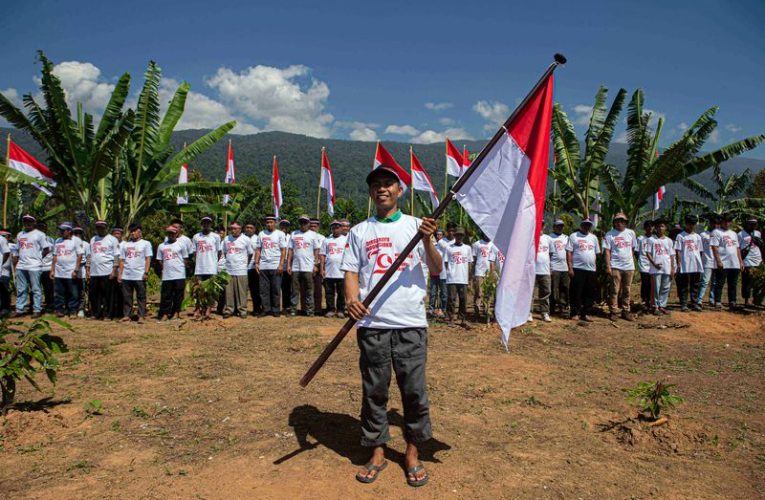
214, 411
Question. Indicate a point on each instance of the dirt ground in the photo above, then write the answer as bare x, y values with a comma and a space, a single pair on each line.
214, 410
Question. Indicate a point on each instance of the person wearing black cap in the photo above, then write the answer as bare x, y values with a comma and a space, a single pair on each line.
284, 226
270, 254
135, 261
457, 260
581, 253
662, 258
207, 246
172, 256
393, 329
65, 271
727, 254
253, 278
560, 280
751, 244
102, 269
302, 256
708, 259
33, 246
5, 275
688, 247
330, 258
644, 266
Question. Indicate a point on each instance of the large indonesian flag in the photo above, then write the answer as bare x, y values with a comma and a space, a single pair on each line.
506, 196
230, 172
383, 157
23, 162
183, 178
421, 179
327, 182
276, 188
453, 160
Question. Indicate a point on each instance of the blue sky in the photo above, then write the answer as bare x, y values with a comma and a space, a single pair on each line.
406, 71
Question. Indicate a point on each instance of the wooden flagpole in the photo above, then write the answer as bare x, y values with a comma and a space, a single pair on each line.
411, 172
5, 184
448, 197
446, 168
318, 194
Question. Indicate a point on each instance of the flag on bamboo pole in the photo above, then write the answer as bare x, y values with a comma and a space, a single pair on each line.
183, 178
421, 180
383, 157
327, 182
465, 160
506, 196
453, 160
23, 162
276, 188
230, 172
659, 197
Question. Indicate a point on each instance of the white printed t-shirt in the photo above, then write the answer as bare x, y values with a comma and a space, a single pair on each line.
542, 264
622, 244
484, 253
662, 252
584, 249
558, 243
644, 265
458, 259
5, 248
707, 257
689, 245
271, 244
754, 257
133, 255
66, 252
237, 252
303, 245
206, 247
332, 248
172, 256
104, 252
30, 247
442, 245
371, 248
727, 247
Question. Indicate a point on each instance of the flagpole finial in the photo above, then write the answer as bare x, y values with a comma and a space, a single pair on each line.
559, 58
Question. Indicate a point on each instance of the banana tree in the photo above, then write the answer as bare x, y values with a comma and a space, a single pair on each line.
726, 193
576, 175
647, 170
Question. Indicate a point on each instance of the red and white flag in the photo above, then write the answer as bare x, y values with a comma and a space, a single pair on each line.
276, 188
230, 172
465, 160
659, 197
421, 179
183, 178
506, 197
383, 157
453, 160
23, 162
327, 182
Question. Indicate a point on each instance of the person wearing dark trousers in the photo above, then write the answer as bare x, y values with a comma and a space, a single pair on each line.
581, 253
253, 277
65, 271
458, 257
284, 226
173, 257
45, 280
116, 301
5, 273
81, 281
392, 334
727, 255
690, 266
644, 267
270, 254
330, 258
135, 259
751, 244
560, 280
318, 279
221, 305
302, 256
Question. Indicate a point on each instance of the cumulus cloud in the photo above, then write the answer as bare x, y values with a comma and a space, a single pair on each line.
359, 131
438, 106
363, 134
82, 82
732, 127
431, 136
286, 99
446, 121
401, 130
494, 112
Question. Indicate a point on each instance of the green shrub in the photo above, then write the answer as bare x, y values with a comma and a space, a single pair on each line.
654, 398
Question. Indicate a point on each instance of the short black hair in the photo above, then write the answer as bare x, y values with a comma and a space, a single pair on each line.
177, 221
451, 225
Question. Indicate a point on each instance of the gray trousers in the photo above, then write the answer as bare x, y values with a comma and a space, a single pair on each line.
543, 292
302, 282
406, 350
236, 296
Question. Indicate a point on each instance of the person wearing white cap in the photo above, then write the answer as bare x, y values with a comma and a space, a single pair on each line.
102, 269
65, 271
581, 253
270, 256
302, 256
619, 245
751, 244
559, 278
33, 246
330, 258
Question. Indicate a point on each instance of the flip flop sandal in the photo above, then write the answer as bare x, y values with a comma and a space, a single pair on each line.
371, 468
415, 483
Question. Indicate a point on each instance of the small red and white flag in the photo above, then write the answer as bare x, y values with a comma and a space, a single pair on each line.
230, 172
327, 182
23, 162
383, 157
465, 160
453, 160
659, 197
276, 188
506, 198
421, 180
183, 178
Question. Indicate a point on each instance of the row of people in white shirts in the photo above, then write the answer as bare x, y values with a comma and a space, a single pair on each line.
458, 257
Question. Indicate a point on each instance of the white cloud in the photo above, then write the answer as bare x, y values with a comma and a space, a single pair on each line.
494, 112
438, 106
583, 113
285, 99
714, 137
431, 136
363, 134
732, 127
446, 121
401, 130
682, 127
621, 138
82, 82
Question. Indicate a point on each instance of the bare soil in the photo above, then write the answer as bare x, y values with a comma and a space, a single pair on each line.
214, 410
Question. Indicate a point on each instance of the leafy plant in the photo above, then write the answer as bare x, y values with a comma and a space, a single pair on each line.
206, 292
32, 351
654, 398
94, 408
489, 290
